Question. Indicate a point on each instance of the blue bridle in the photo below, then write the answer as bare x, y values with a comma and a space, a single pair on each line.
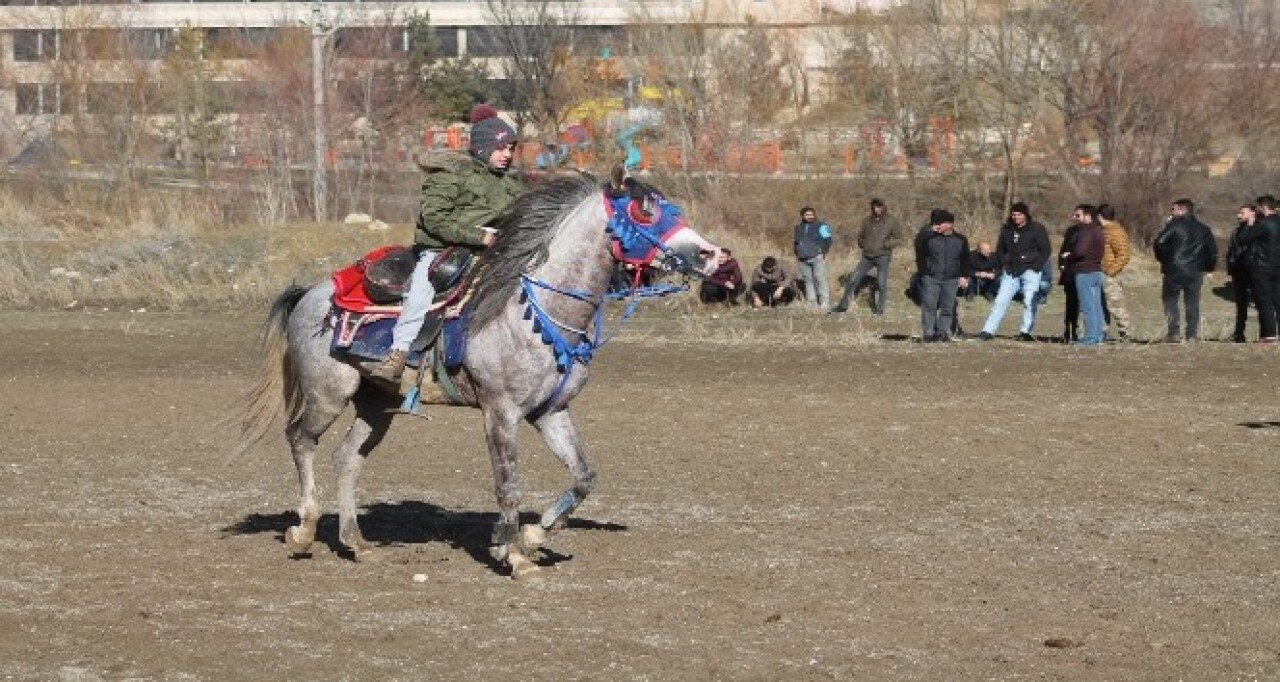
633, 241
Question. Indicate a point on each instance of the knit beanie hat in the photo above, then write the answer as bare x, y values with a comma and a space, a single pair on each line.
480, 112
488, 132
939, 216
1020, 207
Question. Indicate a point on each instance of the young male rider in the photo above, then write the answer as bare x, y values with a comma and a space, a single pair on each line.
461, 196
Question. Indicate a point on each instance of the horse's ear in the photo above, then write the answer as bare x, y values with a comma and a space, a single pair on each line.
617, 175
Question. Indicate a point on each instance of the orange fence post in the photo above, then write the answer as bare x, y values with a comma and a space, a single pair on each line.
849, 158
453, 138
672, 157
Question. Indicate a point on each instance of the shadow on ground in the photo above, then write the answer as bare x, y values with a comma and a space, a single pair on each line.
412, 522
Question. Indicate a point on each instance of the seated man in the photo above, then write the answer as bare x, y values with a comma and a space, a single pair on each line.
771, 284
725, 283
623, 279
986, 273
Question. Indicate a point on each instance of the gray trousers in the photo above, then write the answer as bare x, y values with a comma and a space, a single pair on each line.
937, 305
814, 274
881, 264
1171, 288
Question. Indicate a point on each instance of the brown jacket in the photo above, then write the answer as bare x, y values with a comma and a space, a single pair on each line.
780, 277
1115, 251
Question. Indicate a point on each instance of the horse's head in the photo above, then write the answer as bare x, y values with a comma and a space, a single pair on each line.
649, 230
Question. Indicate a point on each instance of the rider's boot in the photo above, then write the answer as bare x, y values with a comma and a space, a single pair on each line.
391, 367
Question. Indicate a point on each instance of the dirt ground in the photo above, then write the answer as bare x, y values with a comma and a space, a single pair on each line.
875, 510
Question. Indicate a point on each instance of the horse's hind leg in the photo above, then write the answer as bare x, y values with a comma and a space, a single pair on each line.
373, 418
303, 435
561, 435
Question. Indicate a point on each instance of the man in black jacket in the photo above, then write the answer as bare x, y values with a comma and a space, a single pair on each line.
942, 259
1240, 268
1186, 250
1022, 249
1263, 244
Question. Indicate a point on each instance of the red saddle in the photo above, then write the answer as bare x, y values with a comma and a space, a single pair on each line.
448, 275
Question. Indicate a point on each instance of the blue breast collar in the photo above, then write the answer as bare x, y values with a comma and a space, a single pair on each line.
634, 241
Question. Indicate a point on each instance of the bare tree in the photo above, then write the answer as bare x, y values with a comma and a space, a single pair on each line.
198, 123
1250, 101
535, 41
998, 52
378, 103
1141, 94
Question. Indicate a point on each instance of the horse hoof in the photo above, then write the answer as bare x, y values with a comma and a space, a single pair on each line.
298, 540
499, 552
521, 567
365, 554
532, 537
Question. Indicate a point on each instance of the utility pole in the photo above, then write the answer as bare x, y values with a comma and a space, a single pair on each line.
320, 32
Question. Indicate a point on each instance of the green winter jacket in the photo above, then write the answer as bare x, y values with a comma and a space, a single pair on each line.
459, 196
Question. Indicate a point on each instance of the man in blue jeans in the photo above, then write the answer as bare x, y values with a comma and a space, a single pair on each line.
812, 240
1084, 263
1022, 250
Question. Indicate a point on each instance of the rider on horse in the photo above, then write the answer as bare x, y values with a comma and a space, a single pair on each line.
461, 196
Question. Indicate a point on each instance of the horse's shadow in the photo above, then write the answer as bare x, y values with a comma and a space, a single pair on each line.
1261, 425
413, 522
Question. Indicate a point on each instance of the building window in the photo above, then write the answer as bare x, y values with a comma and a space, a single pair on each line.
238, 43
34, 46
39, 98
484, 41
368, 42
445, 39
141, 43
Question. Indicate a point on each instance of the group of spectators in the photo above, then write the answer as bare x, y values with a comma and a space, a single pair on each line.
1022, 267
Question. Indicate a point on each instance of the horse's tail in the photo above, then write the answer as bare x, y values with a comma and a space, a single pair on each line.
278, 391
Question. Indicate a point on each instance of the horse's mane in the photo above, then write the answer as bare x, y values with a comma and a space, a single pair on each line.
525, 229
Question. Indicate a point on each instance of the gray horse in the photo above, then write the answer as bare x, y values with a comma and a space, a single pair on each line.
555, 249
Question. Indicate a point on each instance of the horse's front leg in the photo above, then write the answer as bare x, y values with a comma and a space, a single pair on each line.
561, 435
500, 424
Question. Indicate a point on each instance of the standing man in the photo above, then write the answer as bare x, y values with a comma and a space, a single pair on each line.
1084, 262
461, 196
1023, 251
1080, 215
1115, 256
1263, 242
1186, 251
879, 235
1240, 258
812, 241
942, 259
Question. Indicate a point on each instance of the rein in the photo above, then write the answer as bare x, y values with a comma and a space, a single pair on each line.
628, 237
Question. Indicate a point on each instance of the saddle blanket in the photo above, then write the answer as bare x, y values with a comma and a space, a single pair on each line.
368, 336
